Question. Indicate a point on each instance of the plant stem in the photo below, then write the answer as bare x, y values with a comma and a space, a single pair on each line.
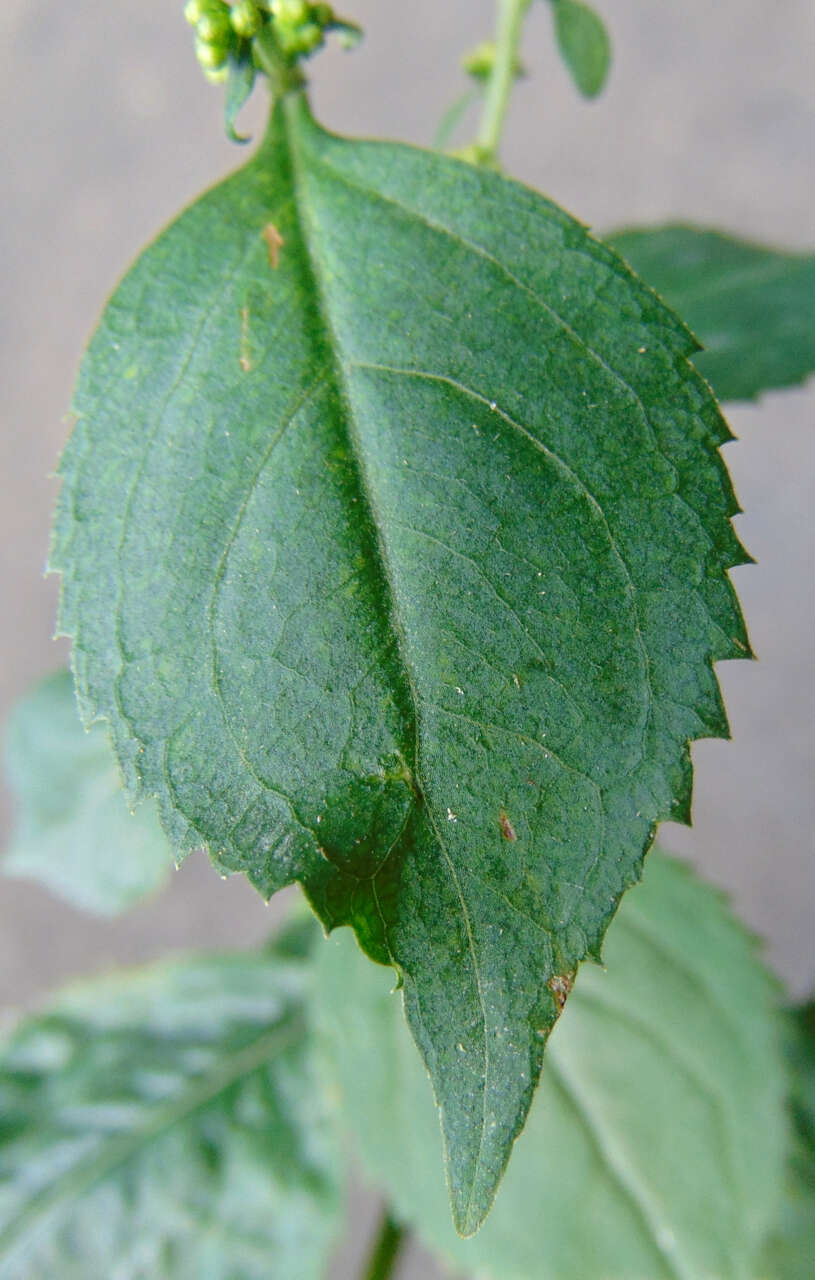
283, 75
508, 33
389, 1241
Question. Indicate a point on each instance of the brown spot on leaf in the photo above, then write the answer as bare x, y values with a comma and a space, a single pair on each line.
507, 829
245, 358
274, 243
560, 984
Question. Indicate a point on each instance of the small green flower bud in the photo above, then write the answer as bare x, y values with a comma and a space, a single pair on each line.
481, 62
246, 18
216, 75
193, 12
211, 56
288, 39
214, 27
289, 13
309, 37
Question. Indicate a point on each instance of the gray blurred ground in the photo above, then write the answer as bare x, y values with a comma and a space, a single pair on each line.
108, 128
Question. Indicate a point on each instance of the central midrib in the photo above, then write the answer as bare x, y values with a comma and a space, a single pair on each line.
293, 108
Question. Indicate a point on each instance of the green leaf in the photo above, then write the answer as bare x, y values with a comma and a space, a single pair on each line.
74, 831
801, 1059
752, 308
394, 536
240, 81
790, 1252
453, 117
584, 45
168, 1123
656, 1142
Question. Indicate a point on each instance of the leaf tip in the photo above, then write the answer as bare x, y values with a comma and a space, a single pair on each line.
468, 1218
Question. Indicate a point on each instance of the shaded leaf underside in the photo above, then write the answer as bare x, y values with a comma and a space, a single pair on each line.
169, 1123
752, 308
790, 1251
74, 831
655, 1145
393, 536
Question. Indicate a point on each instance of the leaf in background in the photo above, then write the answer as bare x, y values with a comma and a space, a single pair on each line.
790, 1253
74, 831
394, 536
752, 308
453, 117
655, 1146
169, 1123
584, 45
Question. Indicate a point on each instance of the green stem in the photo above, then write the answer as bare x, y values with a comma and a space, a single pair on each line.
386, 1249
508, 33
283, 74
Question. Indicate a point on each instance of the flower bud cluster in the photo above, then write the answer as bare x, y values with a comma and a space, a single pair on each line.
219, 27
222, 27
300, 27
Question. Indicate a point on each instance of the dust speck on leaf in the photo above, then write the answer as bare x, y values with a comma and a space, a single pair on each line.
274, 243
507, 829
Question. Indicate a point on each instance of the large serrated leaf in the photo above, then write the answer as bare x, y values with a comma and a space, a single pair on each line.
168, 1123
394, 538
655, 1146
74, 832
753, 308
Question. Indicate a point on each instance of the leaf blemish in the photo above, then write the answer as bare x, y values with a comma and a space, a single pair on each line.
274, 243
560, 984
507, 829
245, 358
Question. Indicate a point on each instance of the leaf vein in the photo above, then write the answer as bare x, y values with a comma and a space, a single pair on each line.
311, 246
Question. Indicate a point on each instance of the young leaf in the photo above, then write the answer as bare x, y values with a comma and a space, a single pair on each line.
168, 1122
790, 1251
584, 45
74, 830
394, 536
753, 308
240, 81
655, 1144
